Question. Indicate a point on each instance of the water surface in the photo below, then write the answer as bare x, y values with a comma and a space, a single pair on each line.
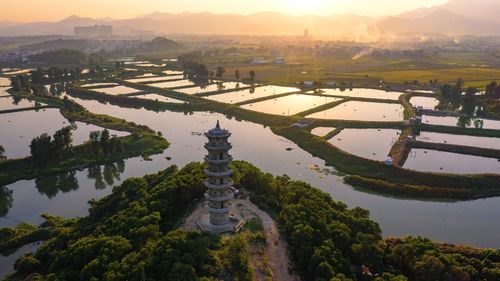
363, 111
484, 142
462, 122
289, 105
425, 160
373, 144
425, 102
363, 93
321, 131
212, 88
19, 128
471, 222
255, 93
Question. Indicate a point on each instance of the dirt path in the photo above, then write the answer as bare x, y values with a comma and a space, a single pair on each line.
276, 249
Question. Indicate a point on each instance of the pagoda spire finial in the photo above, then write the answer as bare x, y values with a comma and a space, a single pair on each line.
217, 126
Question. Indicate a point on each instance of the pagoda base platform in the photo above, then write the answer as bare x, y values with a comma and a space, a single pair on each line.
234, 225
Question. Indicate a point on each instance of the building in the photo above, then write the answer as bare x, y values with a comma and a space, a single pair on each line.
99, 31
220, 190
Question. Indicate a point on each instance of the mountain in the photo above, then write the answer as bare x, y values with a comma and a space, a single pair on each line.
437, 21
269, 23
481, 10
457, 17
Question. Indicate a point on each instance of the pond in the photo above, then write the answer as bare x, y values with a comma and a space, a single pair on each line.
425, 160
173, 72
118, 90
289, 105
471, 222
257, 92
7, 261
4, 82
158, 98
363, 93
8, 102
484, 142
99, 84
363, 111
321, 131
372, 144
462, 122
19, 128
173, 84
152, 79
212, 88
425, 102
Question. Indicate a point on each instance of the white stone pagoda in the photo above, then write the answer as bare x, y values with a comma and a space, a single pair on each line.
220, 190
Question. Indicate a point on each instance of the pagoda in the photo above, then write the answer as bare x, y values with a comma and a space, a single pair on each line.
220, 190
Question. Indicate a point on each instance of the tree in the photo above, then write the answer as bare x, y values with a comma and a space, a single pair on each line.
252, 76
41, 148
2, 153
63, 142
220, 72
94, 138
237, 75
104, 140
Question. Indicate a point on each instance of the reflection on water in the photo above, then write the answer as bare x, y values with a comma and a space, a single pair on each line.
363, 111
7, 260
362, 93
484, 142
5, 200
11, 102
107, 175
64, 194
289, 105
373, 144
53, 184
255, 93
447, 162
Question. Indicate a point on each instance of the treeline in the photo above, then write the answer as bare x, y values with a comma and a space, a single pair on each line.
195, 70
68, 57
33, 81
102, 143
129, 235
45, 148
328, 241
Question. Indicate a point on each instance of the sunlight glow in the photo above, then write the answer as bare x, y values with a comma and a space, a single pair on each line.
307, 6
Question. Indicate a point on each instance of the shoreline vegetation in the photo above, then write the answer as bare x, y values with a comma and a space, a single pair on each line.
141, 141
368, 174
132, 234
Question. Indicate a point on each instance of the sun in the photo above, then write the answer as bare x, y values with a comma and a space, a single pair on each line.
301, 7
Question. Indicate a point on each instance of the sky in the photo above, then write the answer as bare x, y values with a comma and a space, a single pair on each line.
53, 10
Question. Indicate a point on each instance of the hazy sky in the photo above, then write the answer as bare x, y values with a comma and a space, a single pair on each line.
31, 10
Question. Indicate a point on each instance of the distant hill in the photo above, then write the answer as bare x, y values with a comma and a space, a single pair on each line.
457, 17
438, 21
